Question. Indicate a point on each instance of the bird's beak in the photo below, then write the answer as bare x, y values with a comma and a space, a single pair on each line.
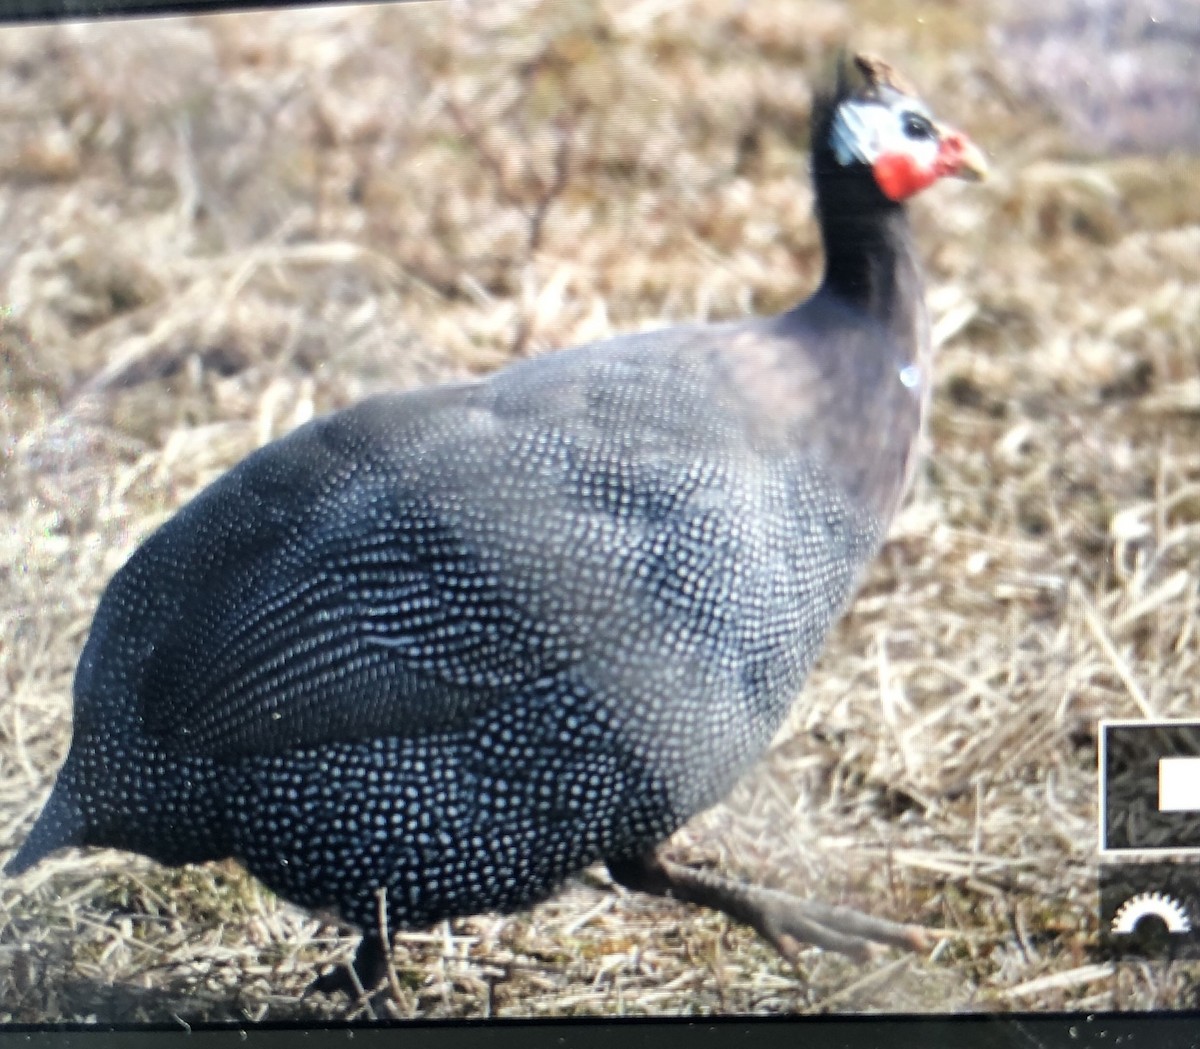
959, 157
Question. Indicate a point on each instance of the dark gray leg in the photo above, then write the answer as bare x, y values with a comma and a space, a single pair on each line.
785, 921
369, 965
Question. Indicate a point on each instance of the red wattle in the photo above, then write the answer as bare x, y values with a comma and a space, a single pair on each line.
899, 177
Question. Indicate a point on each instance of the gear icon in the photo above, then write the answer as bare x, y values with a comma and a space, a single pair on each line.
1168, 909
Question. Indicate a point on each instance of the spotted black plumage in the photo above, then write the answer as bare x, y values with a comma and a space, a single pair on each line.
459, 643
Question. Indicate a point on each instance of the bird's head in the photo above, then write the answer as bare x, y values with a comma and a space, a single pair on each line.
875, 121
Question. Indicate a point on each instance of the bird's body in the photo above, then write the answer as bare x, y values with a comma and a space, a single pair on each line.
458, 643
502, 624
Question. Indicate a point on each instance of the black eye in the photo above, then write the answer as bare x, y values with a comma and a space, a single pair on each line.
917, 125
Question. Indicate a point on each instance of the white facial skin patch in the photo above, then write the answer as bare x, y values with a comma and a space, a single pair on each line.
862, 132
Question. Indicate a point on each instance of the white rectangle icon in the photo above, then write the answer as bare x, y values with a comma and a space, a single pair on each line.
1158, 751
1179, 784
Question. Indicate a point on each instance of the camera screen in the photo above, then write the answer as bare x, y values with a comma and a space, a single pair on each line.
568, 509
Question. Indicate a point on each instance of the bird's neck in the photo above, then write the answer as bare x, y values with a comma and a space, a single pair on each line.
871, 265
865, 345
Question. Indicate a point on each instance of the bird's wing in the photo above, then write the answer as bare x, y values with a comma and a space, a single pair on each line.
389, 570
319, 592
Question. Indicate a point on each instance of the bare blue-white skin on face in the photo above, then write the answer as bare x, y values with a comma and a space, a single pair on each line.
865, 131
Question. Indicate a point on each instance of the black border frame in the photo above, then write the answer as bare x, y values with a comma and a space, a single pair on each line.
17, 12
1176, 1030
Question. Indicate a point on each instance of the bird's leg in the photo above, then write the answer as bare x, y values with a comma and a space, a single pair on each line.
785, 921
368, 967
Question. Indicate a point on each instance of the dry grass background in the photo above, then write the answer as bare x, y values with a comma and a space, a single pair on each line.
214, 228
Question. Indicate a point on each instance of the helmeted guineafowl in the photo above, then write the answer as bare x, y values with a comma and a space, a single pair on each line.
457, 644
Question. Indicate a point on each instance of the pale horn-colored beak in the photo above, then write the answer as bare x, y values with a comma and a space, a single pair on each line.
959, 157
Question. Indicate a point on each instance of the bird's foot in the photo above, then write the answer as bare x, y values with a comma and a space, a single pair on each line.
787, 922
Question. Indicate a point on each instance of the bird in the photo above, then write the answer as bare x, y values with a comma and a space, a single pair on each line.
433, 654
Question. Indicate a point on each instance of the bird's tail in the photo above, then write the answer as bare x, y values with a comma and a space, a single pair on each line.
61, 824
